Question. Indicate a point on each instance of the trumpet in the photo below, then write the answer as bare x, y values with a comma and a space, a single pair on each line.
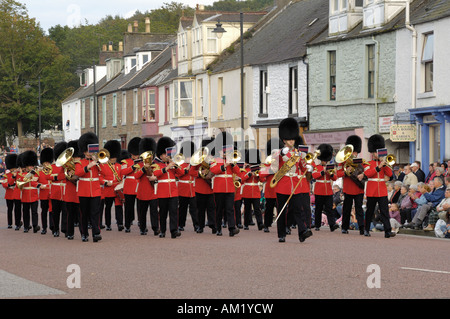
331, 171
27, 178
390, 160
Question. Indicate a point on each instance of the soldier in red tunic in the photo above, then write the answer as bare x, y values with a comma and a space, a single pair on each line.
146, 190
130, 184
223, 169
167, 192
89, 191
269, 192
203, 190
8, 183
17, 194
250, 190
289, 133
376, 190
323, 192
46, 158
30, 196
353, 188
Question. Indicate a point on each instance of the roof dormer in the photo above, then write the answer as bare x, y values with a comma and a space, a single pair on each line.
344, 15
379, 12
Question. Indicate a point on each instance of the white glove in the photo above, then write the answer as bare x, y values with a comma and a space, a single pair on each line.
285, 150
309, 168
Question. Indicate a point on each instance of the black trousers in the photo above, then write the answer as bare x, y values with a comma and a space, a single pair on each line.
238, 211
168, 206
383, 206
10, 207
256, 204
109, 201
17, 212
130, 201
144, 205
44, 213
347, 210
206, 207
324, 204
225, 207
33, 209
89, 212
73, 209
268, 213
57, 208
184, 203
119, 214
296, 207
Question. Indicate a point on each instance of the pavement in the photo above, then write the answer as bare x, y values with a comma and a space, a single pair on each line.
252, 265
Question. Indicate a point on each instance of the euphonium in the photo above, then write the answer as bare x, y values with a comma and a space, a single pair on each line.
66, 161
200, 157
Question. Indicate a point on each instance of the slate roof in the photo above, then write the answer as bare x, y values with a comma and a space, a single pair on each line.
282, 38
84, 92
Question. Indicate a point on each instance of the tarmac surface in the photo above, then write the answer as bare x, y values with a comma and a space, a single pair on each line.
252, 265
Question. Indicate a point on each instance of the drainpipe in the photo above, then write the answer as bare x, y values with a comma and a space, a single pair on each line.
377, 120
413, 54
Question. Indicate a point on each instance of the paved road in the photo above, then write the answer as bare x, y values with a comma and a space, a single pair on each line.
251, 265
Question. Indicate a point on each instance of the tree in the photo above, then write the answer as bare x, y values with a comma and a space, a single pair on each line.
25, 55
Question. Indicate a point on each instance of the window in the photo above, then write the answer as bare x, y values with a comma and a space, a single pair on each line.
144, 106
91, 112
199, 111
198, 42
332, 70
211, 41
335, 5
114, 110
144, 59
83, 113
182, 98
124, 108
167, 104
182, 45
359, 3
293, 90
133, 62
135, 107
150, 108
370, 70
104, 111
427, 60
221, 97
263, 83
174, 58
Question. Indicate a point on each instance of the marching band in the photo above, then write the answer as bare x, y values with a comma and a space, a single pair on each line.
77, 183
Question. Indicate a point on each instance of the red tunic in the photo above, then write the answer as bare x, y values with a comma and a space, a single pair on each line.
9, 183
201, 185
145, 189
348, 186
250, 184
323, 185
186, 182
44, 192
267, 174
167, 184
29, 190
89, 180
222, 181
127, 171
57, 186
288, 182
376, 184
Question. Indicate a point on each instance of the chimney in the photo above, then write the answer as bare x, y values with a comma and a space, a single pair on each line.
120, 46
110, 46
130, 28
147, 25
104, 48
136, 26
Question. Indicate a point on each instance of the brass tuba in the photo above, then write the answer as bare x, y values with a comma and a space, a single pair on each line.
200, 157
65, 160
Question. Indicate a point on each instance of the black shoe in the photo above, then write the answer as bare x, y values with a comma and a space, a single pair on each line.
162, 235
288, 231
36, 229
127, 230
9, 226
97, 238
281, 239
240, 226
260, 226
234, 231
307, 233
213, 231
102, 226
70, 237
17, 228
108, 228
389, 234
199, 230
334, 227
246, 228
219, 233
361, 231
317, 229
266, 230
344, 231
44, 231
180, 228
84, 238
409, 225
143, 232
25, 230
120, 227
366, 233
56, 234
175, 234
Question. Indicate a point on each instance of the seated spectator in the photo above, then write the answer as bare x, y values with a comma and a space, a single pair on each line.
338, 199
447, 180
442, 228
431, 173
443, 206
445, 167
415, 167
440, 171
410, 177
396, 195
433, 199
390, 189
405, 205
394, 217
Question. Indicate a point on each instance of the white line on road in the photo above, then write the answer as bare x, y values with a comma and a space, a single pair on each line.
427, 270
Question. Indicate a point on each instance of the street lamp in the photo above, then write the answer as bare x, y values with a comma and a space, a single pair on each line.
218, 30
28, 87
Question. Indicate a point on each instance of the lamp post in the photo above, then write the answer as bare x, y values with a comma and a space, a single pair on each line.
28, 87
218, 30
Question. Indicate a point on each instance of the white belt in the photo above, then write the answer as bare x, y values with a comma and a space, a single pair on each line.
376, 180
186, 182
251, 184
29, 188
58, 184
89, 179
224, 175
166, 180
323, 181
129, 177
292, 175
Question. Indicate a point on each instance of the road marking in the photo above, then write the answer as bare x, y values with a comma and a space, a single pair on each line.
12, 286
427, 270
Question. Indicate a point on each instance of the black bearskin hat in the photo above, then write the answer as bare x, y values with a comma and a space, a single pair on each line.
19, 162
299, 141
326, 152
47, 155
124, 154
11, 161
209, 143
356, 141
222, 139
76, 150
147, 144
187, 148
85, 140
114, 148
375, 142
163, 143
288, 129
29, 158
252, 156
59, 148
274, 143
133, 146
